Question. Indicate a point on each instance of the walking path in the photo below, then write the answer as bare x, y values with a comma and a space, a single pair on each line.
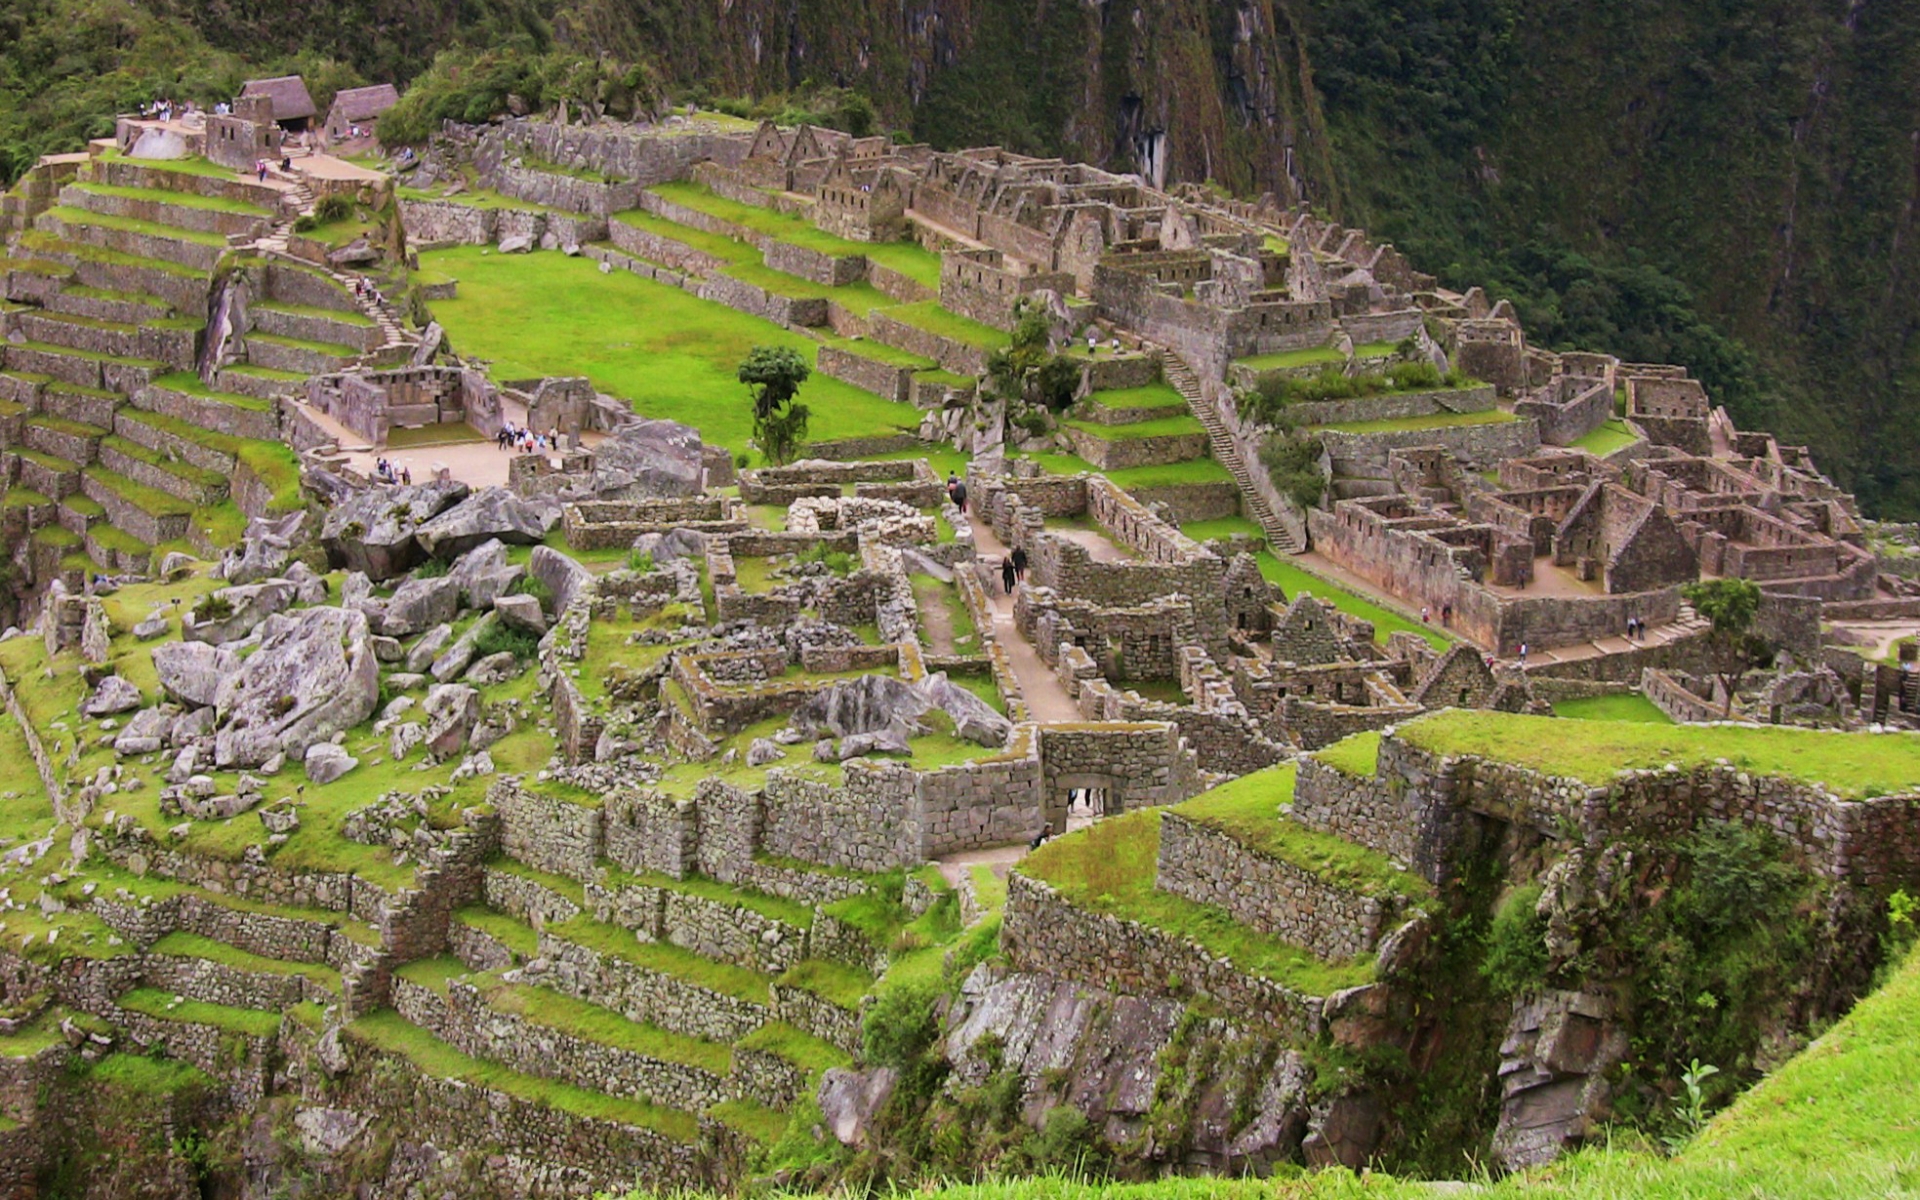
1046, 696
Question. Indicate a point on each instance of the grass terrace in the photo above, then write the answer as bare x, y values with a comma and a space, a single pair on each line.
1853, 765
1312, 356
670, 353
389, 1032
177, 198
1252, 811
1492, 416
1192, 470
178, 166
908, 258
1177, 426
1356, 754
80, 216
1154, 395
1110, 866
725, 249
931, 318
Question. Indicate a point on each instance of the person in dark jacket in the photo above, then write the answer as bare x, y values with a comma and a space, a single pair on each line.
1007, 577
960, 496
1020, 563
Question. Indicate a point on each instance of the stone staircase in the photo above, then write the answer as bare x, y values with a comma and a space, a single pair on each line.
1181, 376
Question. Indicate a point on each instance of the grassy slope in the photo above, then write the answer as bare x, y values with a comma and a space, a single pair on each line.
671, 353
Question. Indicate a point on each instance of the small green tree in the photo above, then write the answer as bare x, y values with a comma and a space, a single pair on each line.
1731, 605
1028, 369
775, 374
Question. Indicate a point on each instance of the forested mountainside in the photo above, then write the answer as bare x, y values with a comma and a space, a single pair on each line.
1725, 183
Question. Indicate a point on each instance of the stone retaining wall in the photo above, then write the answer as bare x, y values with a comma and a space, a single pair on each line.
642, 994
885, 380
262, 425
712, 929
1264, 893
1044, 933
1119, 453
661, 249
818, 1016
545, 833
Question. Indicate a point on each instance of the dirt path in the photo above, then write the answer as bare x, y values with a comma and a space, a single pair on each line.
935, 617
1047, 698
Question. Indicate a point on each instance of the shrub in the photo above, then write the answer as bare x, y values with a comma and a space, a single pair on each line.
433, 568
305, 223
501, 638
532, 585
212, 607
639, 561
1293, 463
1516, 958
900, 1025
333, 208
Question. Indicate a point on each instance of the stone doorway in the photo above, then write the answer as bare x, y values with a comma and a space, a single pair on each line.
1079, 800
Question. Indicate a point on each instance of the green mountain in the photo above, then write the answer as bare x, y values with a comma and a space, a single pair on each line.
1726, 183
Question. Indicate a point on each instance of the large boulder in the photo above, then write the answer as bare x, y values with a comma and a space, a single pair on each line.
374, 530
665, 547
645, 459
522, 612
452, 710
114, 695
454, 660
484, 575
867, 704
973, 718
428, 648
327, 762
233, 613
563, 576
264, 550
308, 681
191, 672
146, 732
490, 514
421, 604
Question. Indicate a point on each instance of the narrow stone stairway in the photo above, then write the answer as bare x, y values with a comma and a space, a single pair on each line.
1181, 376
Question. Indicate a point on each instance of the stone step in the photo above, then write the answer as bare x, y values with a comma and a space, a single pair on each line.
118, 552
147, 513
48, 474
81, 333
97, 267
75, 402
200, 447
79, 513
62, 438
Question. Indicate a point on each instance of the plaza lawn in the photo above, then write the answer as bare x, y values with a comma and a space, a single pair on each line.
908, 258
1628, 706
1852, 765
673, 355
1613, 435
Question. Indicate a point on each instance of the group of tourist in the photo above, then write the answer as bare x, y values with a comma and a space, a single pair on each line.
163, 109
526, 441
1446, 615
388, 472
957, 492
1636, 629
362, 290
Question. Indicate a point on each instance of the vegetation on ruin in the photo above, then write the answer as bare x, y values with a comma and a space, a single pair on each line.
1852, 765
1252, 811
1356, 754
1268, 402
1109, 867
1292, 461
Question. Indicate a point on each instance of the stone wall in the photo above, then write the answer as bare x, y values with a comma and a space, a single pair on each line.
642, 994
1264, 893
547, 833
1044, 933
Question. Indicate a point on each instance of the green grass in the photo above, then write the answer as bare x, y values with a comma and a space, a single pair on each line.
672, 354
1294, 579
515, 936
1610, 437
1251, 811
1183, 425
1179, 474
1450, 420
43, 1032
189, 384
341, 315
74, 217
801, 1049
20, 497
724, 978
156, 1003
1224, 527
836, 983
388, 1031
148, 1075
148, 500
1154, 395
1356, 754
989, 889
774, 908
1627, 706
178, 198
907, 258
1109, 867
71, 352
46, 243
177, 166
893, 356
1853, 765
1311, 356
192, 945
930, 317
725, 249
590, 1022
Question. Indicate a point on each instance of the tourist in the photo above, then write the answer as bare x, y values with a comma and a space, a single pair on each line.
1425, 613
1020, 563
1446, 615
406, 476
960, 496
1523, 656
1007, 577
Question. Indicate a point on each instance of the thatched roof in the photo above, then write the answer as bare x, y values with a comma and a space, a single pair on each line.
288, 93
364, 103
